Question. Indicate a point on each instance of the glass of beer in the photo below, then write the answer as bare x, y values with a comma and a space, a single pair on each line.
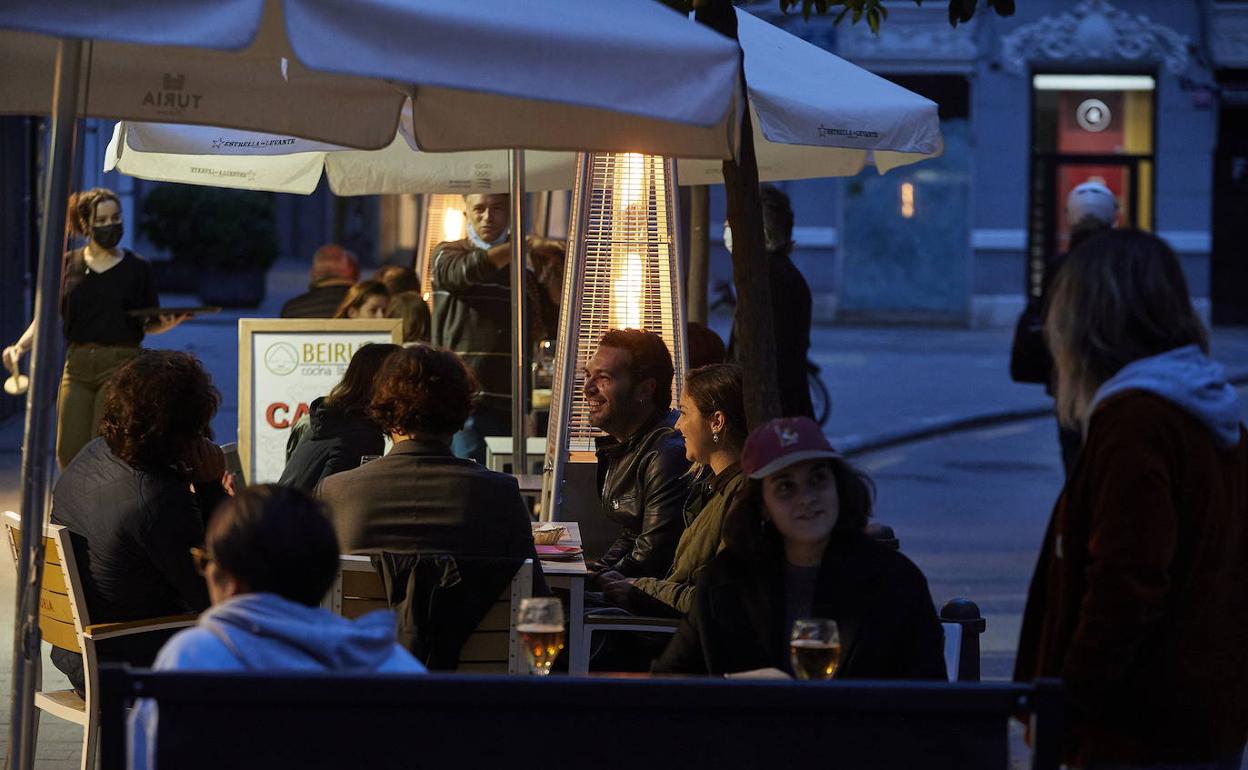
815, 647
541, 631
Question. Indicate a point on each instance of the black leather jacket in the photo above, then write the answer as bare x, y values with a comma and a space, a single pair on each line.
642, 484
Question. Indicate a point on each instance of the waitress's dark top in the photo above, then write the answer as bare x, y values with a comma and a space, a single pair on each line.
94, 305
878, 598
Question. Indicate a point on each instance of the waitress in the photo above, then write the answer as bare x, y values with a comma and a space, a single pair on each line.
99, 284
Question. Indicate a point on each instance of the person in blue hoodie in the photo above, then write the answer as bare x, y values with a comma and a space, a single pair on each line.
270, 556
1138, 602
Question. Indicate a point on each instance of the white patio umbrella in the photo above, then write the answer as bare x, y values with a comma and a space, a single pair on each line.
554, 74
815, 115
542, 74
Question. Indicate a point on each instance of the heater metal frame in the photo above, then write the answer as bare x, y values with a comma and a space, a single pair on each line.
571, 315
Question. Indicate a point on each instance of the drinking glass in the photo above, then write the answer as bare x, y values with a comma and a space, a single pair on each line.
815, 648
541, 631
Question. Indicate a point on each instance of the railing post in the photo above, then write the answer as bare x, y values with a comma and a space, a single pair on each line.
965, 613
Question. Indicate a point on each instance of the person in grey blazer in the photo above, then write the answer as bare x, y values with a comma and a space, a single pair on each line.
420, 501
421, 497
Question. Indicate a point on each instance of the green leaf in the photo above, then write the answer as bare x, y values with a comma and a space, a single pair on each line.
873, 21
840, 15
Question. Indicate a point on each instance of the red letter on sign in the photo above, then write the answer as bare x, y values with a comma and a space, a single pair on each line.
300, 411
271, 415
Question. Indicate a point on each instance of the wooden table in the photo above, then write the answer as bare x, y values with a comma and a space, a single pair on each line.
570, 574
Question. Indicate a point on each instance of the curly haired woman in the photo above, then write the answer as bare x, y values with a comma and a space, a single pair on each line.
136, 499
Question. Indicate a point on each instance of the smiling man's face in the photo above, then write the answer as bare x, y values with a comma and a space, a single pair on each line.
613, 398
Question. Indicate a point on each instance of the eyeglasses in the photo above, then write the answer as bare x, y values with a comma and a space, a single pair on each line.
201, 560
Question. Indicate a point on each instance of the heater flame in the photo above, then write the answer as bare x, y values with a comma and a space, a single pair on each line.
626, 291
631, 179
453, 224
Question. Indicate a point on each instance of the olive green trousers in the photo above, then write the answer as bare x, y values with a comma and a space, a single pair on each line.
80, 402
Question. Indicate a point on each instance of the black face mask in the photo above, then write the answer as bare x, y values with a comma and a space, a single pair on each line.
107, 236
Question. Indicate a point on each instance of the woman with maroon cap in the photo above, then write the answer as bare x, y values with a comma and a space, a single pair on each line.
794, 548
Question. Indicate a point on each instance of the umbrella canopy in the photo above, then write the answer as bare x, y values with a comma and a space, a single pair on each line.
549, 74
816, 115
629, 75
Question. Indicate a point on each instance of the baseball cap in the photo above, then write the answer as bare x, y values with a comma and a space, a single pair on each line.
782, 442
1091, 200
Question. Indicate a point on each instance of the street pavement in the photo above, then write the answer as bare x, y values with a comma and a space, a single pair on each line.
966, 471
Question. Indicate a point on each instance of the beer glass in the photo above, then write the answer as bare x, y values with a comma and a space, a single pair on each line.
541, 631
815, 648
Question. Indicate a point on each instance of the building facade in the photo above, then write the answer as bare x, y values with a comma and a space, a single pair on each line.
1147, 96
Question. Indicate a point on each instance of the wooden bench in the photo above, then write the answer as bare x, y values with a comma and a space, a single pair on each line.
65, 622
523, 723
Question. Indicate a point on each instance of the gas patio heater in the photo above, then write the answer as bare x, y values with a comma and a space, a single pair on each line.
622, 272
443, 219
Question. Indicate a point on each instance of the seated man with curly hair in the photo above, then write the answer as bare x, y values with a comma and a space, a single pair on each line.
135, 501
427, 516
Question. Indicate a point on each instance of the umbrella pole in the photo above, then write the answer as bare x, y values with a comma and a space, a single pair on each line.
519, 329
41, 406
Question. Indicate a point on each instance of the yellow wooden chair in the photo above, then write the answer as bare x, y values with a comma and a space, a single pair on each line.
494, 647
65, 623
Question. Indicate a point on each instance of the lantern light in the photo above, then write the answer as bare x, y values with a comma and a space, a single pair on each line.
907, 200
622, 271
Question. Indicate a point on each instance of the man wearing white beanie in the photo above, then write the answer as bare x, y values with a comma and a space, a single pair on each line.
1091, 208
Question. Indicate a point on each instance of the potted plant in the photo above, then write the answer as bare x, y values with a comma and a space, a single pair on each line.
228, 237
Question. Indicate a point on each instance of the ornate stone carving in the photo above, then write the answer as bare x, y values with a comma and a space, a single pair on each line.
1094, 31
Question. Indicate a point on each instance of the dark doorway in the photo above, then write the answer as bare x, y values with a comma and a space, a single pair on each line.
1229, 259
1087, 128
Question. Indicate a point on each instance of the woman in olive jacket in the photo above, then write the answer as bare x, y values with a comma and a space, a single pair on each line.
795, 549
712, 423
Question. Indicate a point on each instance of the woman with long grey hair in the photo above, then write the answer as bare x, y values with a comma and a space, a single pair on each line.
1138, 600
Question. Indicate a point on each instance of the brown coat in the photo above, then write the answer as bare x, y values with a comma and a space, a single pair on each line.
1140, 598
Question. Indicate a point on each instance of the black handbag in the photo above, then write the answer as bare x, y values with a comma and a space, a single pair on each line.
1030, 360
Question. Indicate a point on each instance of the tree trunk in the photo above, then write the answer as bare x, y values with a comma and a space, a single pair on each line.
755, 337
699, 252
